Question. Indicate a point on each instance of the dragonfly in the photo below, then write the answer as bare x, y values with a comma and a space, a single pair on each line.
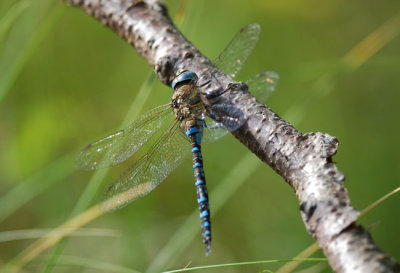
175, 130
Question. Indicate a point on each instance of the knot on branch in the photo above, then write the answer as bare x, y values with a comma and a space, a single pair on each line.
325, 206
318, 143
164, 69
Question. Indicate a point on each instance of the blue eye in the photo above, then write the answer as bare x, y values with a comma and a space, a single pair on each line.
184, 76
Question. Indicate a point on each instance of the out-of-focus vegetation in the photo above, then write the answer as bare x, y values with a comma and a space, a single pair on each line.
65, 80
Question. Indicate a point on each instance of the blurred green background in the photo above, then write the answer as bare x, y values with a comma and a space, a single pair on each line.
65, 81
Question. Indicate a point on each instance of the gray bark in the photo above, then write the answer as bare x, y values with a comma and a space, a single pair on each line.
304, 160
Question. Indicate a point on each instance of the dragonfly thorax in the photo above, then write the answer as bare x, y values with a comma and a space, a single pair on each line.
186, 102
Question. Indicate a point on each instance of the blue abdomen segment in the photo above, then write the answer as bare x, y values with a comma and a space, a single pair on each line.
193, 131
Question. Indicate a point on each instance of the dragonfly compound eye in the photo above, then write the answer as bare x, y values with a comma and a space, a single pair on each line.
185, 76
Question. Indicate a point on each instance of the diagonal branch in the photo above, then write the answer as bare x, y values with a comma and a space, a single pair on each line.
303, 160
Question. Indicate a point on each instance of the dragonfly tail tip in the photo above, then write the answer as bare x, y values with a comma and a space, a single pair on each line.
207, 248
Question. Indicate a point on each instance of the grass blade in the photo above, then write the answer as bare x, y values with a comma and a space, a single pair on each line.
55, 172
10, 17
24, 234
246, 263
93, 264
13, 62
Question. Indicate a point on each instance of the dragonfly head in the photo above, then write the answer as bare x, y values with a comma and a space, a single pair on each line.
184, 76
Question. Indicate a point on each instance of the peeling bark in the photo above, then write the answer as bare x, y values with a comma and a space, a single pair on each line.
303, 160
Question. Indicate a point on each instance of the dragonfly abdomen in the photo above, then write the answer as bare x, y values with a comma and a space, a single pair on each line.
193, 131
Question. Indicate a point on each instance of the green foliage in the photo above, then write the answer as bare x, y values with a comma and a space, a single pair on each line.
65, 81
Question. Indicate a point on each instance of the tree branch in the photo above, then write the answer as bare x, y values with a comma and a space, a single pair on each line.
303, 160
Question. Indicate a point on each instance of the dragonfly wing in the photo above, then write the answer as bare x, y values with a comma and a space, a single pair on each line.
230, 61
238, 50
165, 156
263, 85
121, 145
212, 131
230, 118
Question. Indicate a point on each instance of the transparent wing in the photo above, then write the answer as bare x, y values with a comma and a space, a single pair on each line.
231, 61
263, 85
212, 131
238, 50
121, 145
164, 157
231, 119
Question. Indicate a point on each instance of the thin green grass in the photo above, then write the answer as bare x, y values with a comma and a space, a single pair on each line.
13, 61
350, 62
36, 184
378, 202
10, 17
246, 264
85, 263
54, 258
315, 268
25, 234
